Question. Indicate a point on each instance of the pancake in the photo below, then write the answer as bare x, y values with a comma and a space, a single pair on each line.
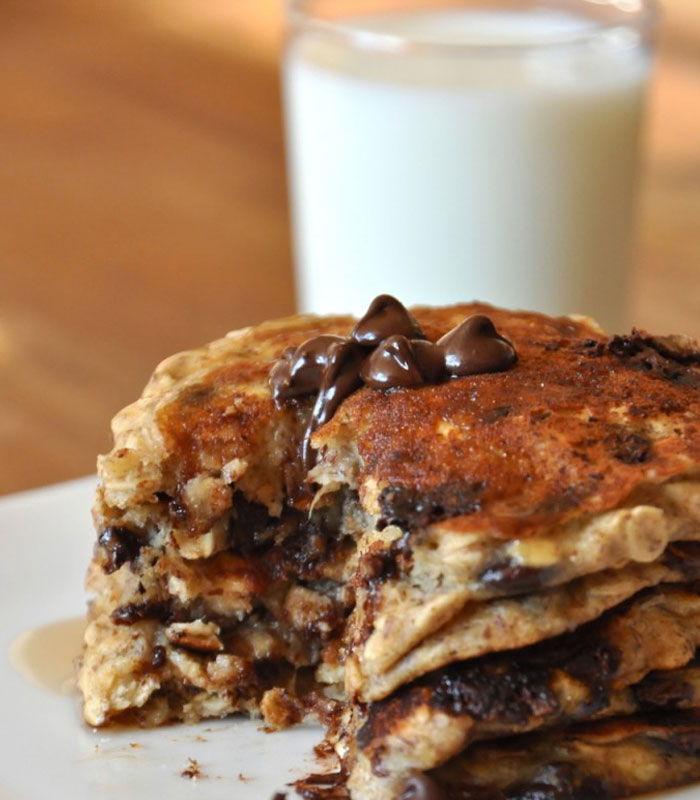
608, 667
506, 623
303, 549
595, 761
578, 423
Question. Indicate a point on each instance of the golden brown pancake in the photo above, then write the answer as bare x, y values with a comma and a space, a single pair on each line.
433, 525
594, 761
580, 422
608, 667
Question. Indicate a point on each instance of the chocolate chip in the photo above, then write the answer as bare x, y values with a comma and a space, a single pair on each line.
413, 508
514, 578
391, 365
334, 366
475, 346
430, 359
399, 361
120, 545
300, 371
668, 358
158, 657
385, 317
341, 378
135, 612
511, 694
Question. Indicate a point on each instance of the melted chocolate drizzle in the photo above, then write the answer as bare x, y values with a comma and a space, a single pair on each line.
387, 349
301, 369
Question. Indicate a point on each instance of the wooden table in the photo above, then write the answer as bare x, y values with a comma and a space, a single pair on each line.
144, 209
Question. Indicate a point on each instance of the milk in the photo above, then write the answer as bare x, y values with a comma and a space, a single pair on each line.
443, 174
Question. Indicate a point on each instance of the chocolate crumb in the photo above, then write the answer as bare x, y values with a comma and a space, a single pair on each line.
193, 771
121, 545
323, 786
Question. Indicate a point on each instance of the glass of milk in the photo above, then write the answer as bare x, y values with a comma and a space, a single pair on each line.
450, 151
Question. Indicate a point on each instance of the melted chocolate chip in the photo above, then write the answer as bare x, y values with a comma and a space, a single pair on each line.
251, 529
659, 691
475, 346
666, 358
158, 657
421, 787
300, 371
135, 612
513, 694
333, 367
121, 545
430, 359
514, 578
340, 378
411, 508
392, 364
399, 361
385, 317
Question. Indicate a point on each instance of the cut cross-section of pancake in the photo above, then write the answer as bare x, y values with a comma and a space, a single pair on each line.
594, 761
601, 669
311, 549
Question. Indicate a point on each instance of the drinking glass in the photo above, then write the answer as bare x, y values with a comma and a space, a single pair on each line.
449, 151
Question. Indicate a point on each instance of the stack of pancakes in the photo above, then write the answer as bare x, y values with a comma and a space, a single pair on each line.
485, 586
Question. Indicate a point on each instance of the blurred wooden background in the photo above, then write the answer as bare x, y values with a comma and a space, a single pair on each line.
143, 205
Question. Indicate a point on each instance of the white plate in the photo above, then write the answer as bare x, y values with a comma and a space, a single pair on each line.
46, 751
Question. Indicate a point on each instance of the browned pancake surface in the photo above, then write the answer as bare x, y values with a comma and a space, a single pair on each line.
575, 426
579, 422
592, 672
223, 415
594, 761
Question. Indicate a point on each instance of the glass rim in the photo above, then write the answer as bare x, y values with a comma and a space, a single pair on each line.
641, 19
